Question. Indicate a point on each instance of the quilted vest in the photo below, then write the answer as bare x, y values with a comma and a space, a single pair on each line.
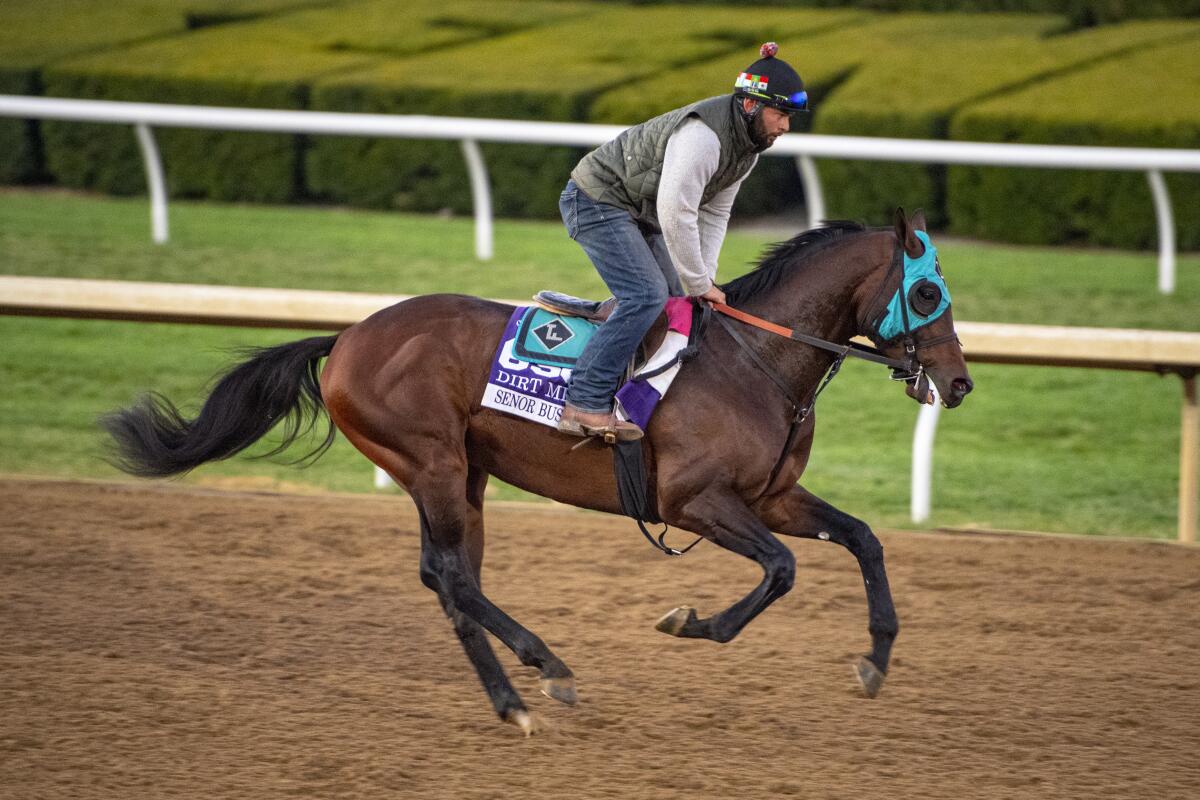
625, 172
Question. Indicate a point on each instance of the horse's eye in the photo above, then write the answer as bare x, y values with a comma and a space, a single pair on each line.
924, 297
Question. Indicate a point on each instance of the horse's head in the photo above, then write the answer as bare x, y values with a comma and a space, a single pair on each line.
909, 317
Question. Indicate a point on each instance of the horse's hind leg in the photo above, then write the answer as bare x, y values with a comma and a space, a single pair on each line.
725, 520
798, 512
455, 531
479, 651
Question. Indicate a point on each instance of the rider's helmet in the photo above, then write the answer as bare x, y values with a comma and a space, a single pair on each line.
773, 82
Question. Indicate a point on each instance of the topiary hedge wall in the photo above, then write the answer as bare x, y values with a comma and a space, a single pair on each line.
922, 73
552, 73
1150, 98
1079, 13
266, 63
985, 76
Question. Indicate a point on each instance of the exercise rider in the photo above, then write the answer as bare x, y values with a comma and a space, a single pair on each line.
650, 209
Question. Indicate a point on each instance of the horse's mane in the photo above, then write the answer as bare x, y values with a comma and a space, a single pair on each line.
781, 258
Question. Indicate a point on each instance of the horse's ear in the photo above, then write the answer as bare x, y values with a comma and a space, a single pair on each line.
918, 220
906, 232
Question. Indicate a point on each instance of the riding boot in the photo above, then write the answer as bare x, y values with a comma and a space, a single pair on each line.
583, 423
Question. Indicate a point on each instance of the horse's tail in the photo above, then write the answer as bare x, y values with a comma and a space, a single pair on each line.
153, 439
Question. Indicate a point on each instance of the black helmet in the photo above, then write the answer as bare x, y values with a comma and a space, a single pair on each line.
773, 82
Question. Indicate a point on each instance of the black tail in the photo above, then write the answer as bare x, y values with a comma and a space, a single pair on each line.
154, 440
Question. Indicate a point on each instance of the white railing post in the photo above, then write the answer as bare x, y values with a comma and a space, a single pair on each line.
922, 458
155, 182
482, 197
814, 198
382, 479
1166, 231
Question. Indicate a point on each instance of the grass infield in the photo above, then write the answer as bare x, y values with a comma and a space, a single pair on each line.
1092, 451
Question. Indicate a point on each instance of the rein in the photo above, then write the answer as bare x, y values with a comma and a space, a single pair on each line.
865, 352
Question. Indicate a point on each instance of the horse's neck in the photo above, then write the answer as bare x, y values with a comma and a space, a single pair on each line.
821, 300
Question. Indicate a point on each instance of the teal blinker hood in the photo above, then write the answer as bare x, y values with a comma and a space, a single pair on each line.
922, 289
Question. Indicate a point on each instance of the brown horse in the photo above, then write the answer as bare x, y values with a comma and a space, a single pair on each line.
404, 386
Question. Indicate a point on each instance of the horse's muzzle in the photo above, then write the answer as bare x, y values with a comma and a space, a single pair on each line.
959, 388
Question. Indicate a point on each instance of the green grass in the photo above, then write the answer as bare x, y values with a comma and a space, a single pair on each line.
1048, 449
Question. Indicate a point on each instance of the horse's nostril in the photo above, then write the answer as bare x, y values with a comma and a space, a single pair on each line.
962, 386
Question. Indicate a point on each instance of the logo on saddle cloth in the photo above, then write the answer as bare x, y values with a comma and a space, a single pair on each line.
538, 349
544, 337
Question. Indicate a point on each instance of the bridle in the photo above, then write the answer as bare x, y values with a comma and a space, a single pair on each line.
908, 368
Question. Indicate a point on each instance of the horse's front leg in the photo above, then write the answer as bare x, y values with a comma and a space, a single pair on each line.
724, 519
798, 512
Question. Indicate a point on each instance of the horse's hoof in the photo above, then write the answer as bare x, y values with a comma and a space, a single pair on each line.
869, 676
560, 689
529, 722
675, 621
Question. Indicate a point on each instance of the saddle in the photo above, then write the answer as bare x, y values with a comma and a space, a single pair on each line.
571, 306
599, 311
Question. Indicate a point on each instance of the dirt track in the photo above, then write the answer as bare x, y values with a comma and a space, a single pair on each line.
163, 642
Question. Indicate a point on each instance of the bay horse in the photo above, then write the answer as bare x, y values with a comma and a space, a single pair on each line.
405, 385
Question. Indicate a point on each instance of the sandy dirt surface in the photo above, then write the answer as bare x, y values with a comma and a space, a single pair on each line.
171, 642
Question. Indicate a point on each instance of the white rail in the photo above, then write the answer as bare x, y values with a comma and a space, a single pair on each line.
803, 147
1111, 348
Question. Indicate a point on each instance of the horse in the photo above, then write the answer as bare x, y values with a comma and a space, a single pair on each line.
405, 386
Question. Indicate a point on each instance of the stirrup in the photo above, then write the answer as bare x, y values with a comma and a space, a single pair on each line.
611, 434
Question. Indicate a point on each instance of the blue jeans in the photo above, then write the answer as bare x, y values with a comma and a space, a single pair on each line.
637, 269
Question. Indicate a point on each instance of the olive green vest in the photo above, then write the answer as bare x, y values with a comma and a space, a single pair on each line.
625, 171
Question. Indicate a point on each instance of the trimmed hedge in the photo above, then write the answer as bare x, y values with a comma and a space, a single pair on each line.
27, 43
260, 64
38, 33
552, 73
774, 186
1151, 98
903, 75
1080, 13
920, 76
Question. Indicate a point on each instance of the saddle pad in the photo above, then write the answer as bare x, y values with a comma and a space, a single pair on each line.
537, 391
523, 388
544, 337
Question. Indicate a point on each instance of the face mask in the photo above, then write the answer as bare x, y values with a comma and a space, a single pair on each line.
921, 298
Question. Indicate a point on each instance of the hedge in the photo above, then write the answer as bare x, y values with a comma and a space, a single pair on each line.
919, 76
774, 186
552, 73
1080, 13
1150, 98
260, 64
29, 45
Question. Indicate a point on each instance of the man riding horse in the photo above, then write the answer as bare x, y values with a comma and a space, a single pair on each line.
650, 209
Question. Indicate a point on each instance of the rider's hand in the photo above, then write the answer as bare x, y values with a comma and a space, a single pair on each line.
713, 295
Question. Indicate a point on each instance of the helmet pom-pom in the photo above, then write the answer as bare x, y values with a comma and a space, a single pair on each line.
768, 50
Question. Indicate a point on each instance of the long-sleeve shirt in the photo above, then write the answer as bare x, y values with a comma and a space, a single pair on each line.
693, 233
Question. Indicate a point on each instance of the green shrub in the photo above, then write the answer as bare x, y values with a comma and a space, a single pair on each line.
20, 152
919, 75
1081, 13
1150, 98
551, 73
28, 45
774, 186
268, 63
